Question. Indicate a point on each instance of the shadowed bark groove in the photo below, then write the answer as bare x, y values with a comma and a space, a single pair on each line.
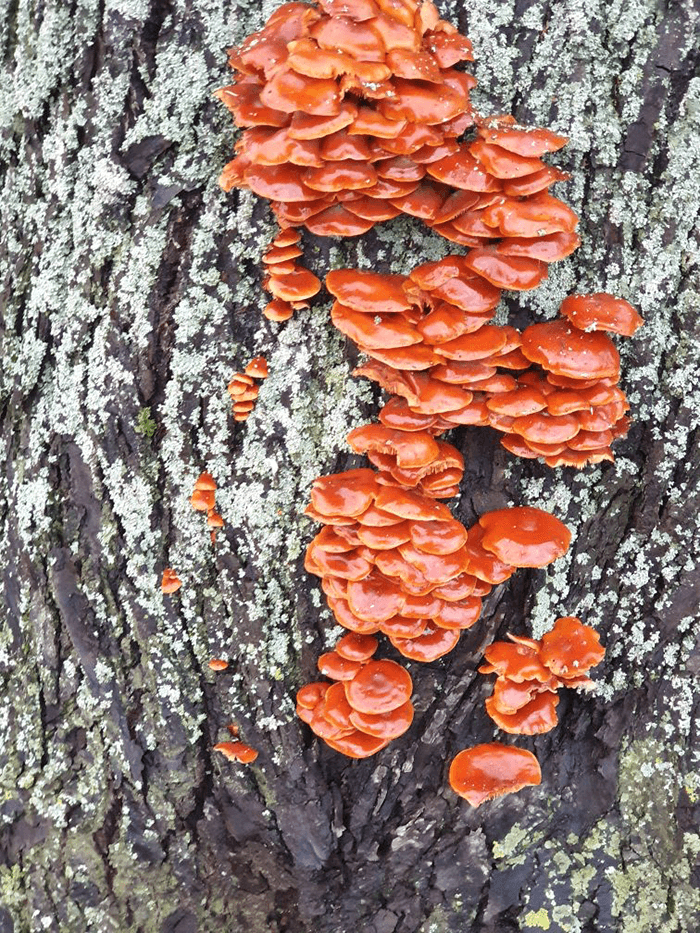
130, 281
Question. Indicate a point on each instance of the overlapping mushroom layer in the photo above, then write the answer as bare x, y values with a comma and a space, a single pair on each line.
395, 561
351, 114
243, 388
530, 672
290, 284
367, 705
552, 389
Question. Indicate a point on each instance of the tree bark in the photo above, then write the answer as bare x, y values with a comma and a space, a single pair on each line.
131, 282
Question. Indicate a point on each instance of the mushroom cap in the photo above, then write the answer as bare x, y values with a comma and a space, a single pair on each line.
379, 687
257, 367
384, 725
502, 130
368, 291
356, 647
205, 481
334, 665
411, 448
571, 648
517, 273
438, 537
431, 644
357, 744
565, 351
535, 718
237, 751
375, 599
518, 662
349, 493
601, 311
170, 582
202, 500
524, 536
491, 770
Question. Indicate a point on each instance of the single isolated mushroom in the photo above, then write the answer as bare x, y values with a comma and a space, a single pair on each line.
491, 770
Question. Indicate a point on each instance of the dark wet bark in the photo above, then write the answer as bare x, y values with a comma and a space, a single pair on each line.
129, 282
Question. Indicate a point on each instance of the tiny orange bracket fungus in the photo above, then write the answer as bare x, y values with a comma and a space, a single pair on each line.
170, 582
237, 751
529, 674
492, 770
218, 664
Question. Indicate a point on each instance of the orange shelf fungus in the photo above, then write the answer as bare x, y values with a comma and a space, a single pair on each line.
352, 114
244, 390
367, 706
237, 751
492, 770
218, 664
530, 672
170, 582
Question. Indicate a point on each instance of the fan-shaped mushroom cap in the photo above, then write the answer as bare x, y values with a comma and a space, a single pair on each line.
384, 725
516, 661
438, 537
237, 751
407, 504
524, 537
205, 481
257, 367
473, 347
459, 614
356, 647
517, 273
411, 448
374, 331
568, 352
601, 312
335, 708
380, 687
538, 215
491, 770
202, 500
508, 696
432, 644
357, 744
461, 170
170, 582
549, 248
334, 665
503, 163
536, 717
571, 648
369, 292
503, 131
375, 599
349, 493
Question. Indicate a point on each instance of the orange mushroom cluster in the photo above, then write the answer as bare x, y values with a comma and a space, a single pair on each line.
393, 560
243, 388
431, 345
203, 500
290, 284
170, 582
367, 705
529, 673
352, 113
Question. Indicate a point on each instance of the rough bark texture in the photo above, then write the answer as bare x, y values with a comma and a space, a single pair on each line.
131, 282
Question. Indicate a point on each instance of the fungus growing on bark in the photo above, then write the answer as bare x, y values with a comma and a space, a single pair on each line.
491, 770
237, 751
530, 672
170, 582
218, 664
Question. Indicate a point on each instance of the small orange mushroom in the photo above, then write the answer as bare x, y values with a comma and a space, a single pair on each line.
218, 664
170, 582
237, 751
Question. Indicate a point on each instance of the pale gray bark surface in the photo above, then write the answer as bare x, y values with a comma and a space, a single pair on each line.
130, 281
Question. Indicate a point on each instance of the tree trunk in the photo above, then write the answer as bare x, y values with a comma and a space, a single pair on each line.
132, 290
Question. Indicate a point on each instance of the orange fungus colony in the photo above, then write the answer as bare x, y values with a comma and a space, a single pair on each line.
353, 113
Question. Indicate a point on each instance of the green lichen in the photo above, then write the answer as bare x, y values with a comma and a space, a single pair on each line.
145, 424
